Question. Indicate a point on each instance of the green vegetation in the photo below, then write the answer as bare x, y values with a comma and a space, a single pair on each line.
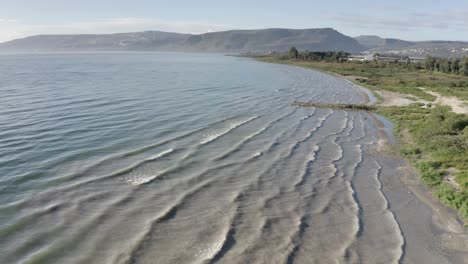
330, 56
395, 77
454, 66
434, 140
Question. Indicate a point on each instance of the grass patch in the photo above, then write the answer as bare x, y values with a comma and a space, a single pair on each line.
439, 140
453, 199
430, 173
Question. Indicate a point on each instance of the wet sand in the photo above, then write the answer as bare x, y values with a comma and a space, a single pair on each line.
433, 233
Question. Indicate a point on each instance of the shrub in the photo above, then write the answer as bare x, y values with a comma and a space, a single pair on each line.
454, 199
462, 180
430, 173
410, 151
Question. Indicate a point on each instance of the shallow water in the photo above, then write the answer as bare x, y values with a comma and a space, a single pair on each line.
191, 158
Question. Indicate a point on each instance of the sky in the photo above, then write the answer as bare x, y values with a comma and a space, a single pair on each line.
405, 19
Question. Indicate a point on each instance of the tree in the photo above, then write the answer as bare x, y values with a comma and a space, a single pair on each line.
419, 66
436, 64
293, 53
464, 67
445, 66
408, 62
307, 55
429, 63
456, 66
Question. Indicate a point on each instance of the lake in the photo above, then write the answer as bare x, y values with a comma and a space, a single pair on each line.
195, 158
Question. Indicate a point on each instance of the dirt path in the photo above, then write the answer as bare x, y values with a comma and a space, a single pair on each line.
397, 99
458, 106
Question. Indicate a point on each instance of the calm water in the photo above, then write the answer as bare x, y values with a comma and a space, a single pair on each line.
187, 158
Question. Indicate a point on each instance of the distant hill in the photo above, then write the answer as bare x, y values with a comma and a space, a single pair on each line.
238, 41
265, 40
372, 42
262, 40
414, 48
123, 41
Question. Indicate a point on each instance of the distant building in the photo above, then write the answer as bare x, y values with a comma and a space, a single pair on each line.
384, 57
365, 57
391, 57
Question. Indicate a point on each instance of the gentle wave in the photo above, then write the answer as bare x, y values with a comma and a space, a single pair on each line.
211, 136
185, 159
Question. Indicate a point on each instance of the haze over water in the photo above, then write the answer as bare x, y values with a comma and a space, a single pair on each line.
194, 158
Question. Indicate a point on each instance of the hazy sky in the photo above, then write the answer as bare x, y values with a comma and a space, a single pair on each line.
408, 19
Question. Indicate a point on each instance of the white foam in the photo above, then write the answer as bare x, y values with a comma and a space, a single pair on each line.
258, 154
159, 155
313, 154
134, 177
141, 178
391, 217
207, 251
210, 137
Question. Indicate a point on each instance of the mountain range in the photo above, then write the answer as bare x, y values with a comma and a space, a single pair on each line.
439, 48
236, 41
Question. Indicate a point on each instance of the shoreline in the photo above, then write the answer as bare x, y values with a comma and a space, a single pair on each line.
443, 226
447, 228
369, 97
442, 213
383, 98
444, 216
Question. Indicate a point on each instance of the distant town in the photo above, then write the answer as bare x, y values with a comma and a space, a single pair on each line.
368, 56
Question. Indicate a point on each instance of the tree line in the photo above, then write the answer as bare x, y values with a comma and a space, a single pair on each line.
458, 66
332, 56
